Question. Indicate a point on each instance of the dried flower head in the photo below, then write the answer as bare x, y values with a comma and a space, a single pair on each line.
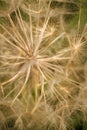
26, 53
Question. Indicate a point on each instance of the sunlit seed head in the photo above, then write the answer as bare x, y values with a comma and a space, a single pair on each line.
28, 59
34, 58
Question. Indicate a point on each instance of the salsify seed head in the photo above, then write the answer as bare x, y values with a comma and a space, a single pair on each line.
41, 74
26, 51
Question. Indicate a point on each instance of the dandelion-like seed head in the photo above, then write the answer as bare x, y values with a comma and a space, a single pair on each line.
26, 54
40, 69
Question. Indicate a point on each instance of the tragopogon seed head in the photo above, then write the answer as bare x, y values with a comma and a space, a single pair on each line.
26, 52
